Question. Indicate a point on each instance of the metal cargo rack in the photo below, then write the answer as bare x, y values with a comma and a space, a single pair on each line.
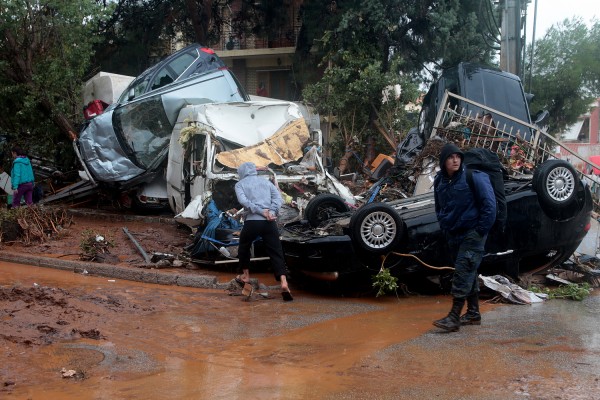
520, 151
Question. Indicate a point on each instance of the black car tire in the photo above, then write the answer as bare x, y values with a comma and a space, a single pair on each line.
377, 228
556, 183
323, 207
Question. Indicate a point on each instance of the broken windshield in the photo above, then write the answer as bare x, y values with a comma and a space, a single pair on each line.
144, 128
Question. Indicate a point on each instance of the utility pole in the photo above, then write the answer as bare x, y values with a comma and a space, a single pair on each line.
511, 43
509, 34
532, 46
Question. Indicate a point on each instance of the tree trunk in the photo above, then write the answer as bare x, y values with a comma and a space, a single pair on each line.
343, 165
200, 19
58, 119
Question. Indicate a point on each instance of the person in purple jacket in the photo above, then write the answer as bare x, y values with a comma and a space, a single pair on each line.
465, 218
261, 201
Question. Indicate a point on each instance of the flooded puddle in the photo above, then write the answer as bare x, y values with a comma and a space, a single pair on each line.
182, 343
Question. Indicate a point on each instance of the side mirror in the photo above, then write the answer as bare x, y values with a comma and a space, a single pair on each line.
529, 97
542, 119
131, 94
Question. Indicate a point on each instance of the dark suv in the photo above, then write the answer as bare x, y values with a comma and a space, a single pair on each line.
489, 86
480, 84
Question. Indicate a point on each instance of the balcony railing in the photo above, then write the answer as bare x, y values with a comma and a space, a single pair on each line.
283, 38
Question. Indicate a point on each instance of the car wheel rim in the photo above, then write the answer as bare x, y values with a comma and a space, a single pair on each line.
560, 184
378, 230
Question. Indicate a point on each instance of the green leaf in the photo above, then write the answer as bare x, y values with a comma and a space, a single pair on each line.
384, 282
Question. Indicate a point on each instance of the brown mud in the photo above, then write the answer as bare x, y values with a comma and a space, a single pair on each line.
158, 342
70, 336
154, 234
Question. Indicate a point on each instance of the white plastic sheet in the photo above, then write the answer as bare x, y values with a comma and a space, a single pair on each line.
510, 291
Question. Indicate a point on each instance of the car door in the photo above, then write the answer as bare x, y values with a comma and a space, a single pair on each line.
173, 69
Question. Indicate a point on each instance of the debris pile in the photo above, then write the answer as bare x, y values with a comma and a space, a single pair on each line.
574, 279
32, 224
94, 246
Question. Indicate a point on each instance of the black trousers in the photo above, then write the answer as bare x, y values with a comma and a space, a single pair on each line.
269, 233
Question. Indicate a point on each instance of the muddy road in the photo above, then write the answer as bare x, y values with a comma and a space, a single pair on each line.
127, 340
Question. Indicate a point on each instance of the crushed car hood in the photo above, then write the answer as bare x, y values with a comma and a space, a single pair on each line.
272, 134
243, 123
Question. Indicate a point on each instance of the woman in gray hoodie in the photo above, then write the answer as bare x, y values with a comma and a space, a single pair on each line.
261, 201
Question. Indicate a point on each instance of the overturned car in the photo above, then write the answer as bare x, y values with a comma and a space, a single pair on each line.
548, 216
549, 205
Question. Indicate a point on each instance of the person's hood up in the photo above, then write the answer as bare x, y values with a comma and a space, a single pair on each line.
447, 151
246, 169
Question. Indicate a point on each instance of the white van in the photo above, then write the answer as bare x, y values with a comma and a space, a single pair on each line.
210, 141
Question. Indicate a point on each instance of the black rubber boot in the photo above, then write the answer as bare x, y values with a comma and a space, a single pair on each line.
472, 316
451, 322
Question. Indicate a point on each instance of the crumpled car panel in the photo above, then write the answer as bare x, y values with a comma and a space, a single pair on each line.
103, 154
145, 126
282, 147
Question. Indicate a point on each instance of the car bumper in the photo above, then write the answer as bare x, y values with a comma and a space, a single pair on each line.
327, 258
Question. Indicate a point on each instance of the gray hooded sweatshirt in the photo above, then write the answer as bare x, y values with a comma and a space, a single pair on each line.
256, 194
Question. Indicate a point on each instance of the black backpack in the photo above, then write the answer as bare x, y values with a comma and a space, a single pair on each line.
487, 161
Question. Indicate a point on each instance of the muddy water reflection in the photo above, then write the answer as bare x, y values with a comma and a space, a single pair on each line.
204, 344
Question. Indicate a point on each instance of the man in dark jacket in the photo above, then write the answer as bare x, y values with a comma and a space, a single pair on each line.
465, 218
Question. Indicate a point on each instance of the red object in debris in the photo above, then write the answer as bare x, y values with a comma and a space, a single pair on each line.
595, 160
207, 50
94, 108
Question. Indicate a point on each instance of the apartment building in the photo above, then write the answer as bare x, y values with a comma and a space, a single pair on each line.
263, 65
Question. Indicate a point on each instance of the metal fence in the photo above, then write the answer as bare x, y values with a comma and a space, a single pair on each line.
519, 144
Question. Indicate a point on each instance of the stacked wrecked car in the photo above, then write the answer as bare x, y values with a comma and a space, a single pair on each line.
185, 139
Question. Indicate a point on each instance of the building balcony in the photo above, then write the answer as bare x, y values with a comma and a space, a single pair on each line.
252, 46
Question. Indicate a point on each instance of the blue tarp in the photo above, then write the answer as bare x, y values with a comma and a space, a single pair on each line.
215, 219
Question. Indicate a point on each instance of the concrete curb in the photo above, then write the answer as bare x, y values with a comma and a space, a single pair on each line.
113, 271
155, 276
121, 217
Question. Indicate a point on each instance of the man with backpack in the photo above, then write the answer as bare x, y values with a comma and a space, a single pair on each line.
465, 216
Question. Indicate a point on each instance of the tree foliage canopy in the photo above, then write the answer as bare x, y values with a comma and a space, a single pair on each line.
566, 72
44, 52
367, 46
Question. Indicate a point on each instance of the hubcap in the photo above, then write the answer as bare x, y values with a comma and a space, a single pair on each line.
560, 184
378, 230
